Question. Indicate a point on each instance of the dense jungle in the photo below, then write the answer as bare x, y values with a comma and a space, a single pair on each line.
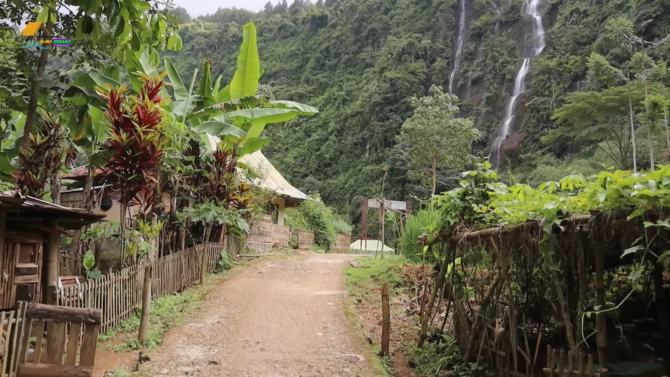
360, 61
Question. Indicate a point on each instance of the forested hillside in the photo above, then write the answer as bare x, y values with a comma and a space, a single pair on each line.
360, 61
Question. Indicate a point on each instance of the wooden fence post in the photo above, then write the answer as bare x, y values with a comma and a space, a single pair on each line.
146, 303
386, 320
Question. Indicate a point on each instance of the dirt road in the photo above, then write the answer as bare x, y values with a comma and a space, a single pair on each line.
277, 318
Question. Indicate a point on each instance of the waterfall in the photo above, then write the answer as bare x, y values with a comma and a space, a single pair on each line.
458, 57
520, 81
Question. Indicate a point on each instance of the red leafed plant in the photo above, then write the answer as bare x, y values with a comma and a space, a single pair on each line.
40, 158
223, 184
135, 147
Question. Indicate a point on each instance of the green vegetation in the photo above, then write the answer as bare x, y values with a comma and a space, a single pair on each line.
314, 215
442, 359
435, 138
364, 282
361, 60
419, 223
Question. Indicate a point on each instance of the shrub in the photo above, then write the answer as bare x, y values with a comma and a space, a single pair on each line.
341, 226
319, 219
414, 227
315, 216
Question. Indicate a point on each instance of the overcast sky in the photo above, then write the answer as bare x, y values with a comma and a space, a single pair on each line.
201, 7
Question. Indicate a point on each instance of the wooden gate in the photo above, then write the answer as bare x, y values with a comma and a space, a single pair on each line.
66, 330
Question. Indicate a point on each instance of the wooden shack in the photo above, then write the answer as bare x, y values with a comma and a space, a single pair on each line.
30, 231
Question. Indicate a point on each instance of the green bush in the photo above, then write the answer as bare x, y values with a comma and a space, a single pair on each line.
341, 226
415, 226
319, 219
315, 216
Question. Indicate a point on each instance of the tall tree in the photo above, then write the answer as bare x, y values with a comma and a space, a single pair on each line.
436, 138
182, 15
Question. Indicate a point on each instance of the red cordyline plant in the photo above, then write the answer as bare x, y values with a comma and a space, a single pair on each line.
223, 184
136, 144
40, 158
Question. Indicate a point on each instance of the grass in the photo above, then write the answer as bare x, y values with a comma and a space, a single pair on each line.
166, 313
373, 274
440, 360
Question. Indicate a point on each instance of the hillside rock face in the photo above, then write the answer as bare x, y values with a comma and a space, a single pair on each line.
359, 61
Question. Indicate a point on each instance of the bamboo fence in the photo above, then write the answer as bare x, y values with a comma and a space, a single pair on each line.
119, 294
12, 342
305, 239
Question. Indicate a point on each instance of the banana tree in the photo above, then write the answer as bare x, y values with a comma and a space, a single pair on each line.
235, 114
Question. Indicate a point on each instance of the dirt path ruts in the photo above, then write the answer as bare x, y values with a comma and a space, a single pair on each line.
277, 318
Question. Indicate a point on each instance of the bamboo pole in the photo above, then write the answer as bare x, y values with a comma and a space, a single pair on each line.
482, 307
600, 301
427, 314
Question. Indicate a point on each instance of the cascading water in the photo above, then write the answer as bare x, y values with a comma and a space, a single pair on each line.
520, 81
458, 56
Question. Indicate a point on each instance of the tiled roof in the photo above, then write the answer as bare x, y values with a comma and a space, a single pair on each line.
81, 171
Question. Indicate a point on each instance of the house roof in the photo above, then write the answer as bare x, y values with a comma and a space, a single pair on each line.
271, 178
81, 171
29, 209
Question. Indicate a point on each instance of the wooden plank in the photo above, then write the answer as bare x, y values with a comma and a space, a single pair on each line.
580, 364
25, 340
5, 352
89, 342
73, 343
55, 343
48, 370
38, 342
386, 320
26, 279
18, 333
63, 314
26, 269
570, 365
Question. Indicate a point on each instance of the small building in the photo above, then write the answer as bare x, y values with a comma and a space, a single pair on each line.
272, 180
30, 230
105, 205
369, 247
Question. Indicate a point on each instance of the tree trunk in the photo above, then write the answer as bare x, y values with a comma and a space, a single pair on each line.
55, 188
203, 261
35, 87
650, 140
146, 304
632, 128
434, 170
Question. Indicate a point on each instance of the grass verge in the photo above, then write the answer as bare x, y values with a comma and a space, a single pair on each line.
166, 312
363, 282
